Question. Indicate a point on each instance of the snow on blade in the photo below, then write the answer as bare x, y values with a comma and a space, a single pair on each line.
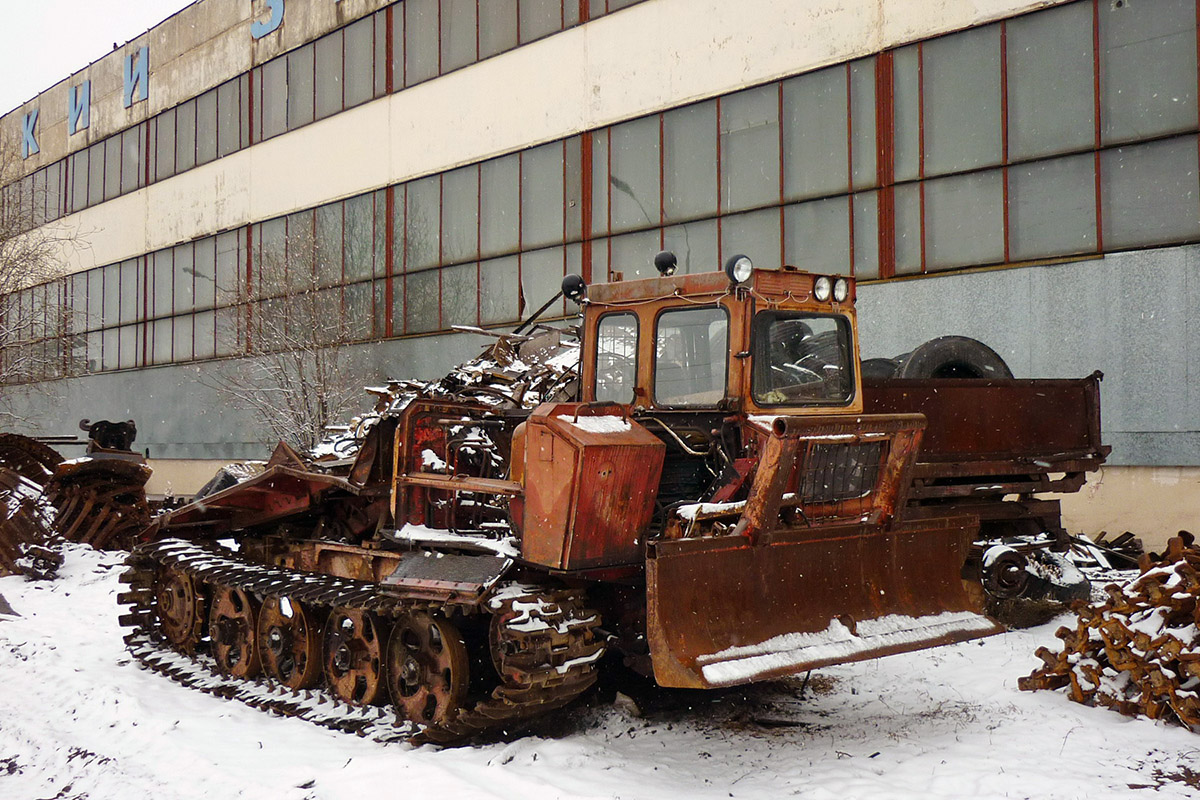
835, 643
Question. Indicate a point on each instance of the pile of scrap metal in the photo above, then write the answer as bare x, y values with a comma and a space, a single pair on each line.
1138, 652
99, 499
515, 372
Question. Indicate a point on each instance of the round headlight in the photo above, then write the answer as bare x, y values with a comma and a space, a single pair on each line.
841, 290
822, 287
739, 268
573, 287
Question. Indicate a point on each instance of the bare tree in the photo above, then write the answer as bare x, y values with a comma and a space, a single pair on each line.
36, 324
295, 377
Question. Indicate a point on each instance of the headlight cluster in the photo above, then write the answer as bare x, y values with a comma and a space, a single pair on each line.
825, 287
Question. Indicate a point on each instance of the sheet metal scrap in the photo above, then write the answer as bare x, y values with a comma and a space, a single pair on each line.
1138, 652
25, 528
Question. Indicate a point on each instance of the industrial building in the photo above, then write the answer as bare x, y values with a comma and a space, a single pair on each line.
1025, 173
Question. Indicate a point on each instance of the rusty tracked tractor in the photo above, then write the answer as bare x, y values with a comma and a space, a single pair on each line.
713, 505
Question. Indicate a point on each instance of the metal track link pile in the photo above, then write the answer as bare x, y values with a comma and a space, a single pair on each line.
543, 643
1139, 651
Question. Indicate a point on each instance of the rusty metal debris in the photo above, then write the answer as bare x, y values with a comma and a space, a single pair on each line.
1138, 652
26, 529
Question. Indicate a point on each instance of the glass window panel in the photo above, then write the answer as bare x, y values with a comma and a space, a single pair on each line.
162, 333
539, 18
573, 190
381, 254
96, 174
182, 338
111, 277
398, 57
229, 331
694, 245
273, 91
54, 175
231, 264
380, 294
691, 356
164, 291
616, 358
600, 185
632, 255
542, 195
614, 5
964, 220
91, 351
906, 102
460, 214
498, 206
1148, 193
130, 345
131, 290
1147, 69
301, 241
79, 180
862, 113
329, 245
750, 148
816, 138
112, 167
458, 33
541, 278
633, 183
1052, 207
206, 127
204, 267
498, 290
381, 48
359, 237
908, 229
817, 235
359, 313
164, 145
690, 162
1050, 83
110, 349
399, 206
961, 83
185, 136
420, 40
204, 337
300, 87
39, 198
460, 295
360, 61
229, 118
270, 257
131, 158
423, 231
866, 235
421, 298
185, 278
756, 234
329, 75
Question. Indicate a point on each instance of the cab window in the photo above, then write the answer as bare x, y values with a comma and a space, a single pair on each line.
691, 356
616, 358
802, 359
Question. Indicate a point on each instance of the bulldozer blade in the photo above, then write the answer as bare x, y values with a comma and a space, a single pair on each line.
723, 611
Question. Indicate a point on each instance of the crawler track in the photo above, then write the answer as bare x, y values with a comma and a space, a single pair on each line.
543, 643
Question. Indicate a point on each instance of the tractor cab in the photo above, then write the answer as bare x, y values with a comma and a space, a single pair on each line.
743, 340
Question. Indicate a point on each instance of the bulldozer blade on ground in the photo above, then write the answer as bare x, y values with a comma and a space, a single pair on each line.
723, 611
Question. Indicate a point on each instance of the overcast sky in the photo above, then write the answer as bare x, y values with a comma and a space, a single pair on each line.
44, 41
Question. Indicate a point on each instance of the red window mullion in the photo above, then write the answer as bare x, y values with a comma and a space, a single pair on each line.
885, 164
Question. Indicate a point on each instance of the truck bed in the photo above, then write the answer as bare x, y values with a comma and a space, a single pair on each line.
992, 438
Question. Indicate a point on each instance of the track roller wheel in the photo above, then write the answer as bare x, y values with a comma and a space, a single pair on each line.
231, 629
180, 608
353, 656
427, 668
289, 643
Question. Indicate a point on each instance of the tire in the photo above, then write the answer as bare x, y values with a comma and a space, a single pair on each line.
879, 367
953, 357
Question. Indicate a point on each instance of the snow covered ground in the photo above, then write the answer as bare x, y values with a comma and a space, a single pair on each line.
79, 720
